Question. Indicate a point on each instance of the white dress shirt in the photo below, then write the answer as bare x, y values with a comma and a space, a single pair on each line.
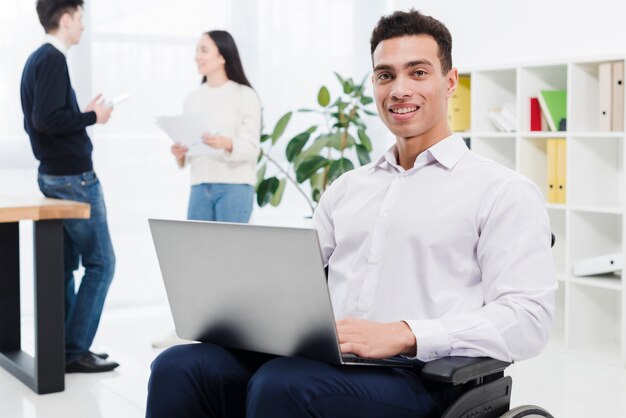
458, 247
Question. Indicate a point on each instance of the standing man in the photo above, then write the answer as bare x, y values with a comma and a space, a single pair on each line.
56, 128
432, 251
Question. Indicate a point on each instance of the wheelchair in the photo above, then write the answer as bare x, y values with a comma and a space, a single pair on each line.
490, 393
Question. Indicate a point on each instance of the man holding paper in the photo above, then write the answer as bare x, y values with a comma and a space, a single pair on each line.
223, 163
56, 128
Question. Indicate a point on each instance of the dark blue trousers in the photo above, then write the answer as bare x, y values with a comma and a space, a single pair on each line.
206, 380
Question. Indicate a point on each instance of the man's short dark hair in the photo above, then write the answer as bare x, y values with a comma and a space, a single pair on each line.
50, 11
411, 23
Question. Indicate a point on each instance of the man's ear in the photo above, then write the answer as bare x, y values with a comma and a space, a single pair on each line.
65, 20
452, 80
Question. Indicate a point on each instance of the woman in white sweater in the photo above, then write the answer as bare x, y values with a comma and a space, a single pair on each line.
222, 183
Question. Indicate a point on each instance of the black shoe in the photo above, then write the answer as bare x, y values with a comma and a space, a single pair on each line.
103, 356
88, 363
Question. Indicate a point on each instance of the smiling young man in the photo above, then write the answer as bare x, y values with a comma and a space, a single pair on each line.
432, 251
56, 128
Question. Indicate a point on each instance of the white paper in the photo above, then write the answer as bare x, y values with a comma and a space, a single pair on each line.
187, 129
117, 100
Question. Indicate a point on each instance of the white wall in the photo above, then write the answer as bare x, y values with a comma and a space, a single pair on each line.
494, 32
289, 49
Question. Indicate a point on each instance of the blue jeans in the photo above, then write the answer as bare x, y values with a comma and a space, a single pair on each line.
86, 241
220, 202
206, 380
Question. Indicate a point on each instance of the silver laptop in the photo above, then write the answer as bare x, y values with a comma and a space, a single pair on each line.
250, 287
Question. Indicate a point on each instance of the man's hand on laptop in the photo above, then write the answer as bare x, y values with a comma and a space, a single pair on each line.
371, 339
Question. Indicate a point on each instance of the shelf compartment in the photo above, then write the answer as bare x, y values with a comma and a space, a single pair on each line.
594, 321
498, 148
594, 234
599, 171
533, 161
584, 114
497, 88
533, 80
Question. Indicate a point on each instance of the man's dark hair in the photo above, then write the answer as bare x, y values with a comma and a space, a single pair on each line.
50, 11
411, 23
228, 49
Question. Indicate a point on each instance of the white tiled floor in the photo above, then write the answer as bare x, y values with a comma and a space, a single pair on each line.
566, 385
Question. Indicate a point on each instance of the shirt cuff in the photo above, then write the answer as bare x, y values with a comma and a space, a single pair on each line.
432, 339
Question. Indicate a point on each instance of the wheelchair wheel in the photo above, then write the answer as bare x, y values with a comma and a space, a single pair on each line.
527, 411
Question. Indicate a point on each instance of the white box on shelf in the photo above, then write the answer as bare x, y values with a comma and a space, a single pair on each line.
607, 263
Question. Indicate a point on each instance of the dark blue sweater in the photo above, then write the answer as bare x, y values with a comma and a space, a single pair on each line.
52, 118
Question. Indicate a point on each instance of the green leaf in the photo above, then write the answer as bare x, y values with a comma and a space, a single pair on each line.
338, 167
348, 86
335, 141
295, 145
340, 78
358, 122
363, 154
265, 137
280, 127
317, 181
323, 97
260, 174
307, 110
311, 129
369, 112
278, 194
309, 166
316, 194
313, 149
366, 100
266, 190
365, 140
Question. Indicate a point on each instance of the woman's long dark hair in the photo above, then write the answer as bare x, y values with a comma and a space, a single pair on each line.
228, 49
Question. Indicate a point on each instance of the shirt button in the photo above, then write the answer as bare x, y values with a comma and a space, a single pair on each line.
363, 307
373, 259
82, 183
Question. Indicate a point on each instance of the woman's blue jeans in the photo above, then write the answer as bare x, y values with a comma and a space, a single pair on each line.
86, 241
220, 202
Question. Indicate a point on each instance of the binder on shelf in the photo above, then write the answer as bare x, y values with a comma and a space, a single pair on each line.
459, 107
618, 96
535, 114
553, 104
605, 100
552, 169
561, 170
609, 263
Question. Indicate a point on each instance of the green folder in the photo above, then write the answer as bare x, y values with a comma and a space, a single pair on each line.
554, 106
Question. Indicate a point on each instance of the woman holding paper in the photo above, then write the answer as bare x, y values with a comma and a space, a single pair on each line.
222, 180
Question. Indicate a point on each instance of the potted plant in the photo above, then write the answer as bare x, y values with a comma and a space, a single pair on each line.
323, 152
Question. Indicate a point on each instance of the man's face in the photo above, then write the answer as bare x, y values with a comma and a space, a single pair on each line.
73, 25
410, 90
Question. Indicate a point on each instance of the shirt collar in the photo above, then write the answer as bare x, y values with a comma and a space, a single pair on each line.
55, 42
446, 152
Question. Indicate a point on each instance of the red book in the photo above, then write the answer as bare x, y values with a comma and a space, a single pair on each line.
535, 114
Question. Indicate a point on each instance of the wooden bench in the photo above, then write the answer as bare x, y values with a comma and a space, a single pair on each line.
45, 371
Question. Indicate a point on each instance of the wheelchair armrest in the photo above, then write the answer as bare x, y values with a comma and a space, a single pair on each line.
459, 370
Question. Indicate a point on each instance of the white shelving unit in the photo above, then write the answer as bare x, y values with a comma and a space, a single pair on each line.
590, 317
